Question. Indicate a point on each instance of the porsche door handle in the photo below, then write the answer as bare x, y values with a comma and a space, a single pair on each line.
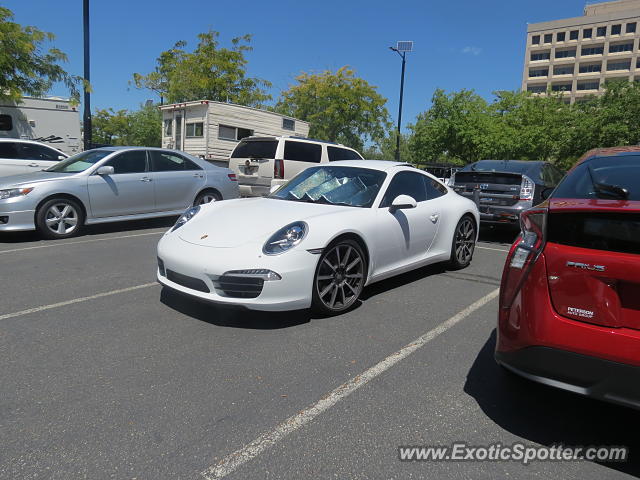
434, 217
198, 175
145, 179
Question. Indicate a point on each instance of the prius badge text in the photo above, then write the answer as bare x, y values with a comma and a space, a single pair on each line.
586, 266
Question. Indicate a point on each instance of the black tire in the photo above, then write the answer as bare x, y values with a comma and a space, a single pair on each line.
339, 278
463, 243
207, 196
59, 218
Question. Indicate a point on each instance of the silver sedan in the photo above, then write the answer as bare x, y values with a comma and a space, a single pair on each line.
108, 185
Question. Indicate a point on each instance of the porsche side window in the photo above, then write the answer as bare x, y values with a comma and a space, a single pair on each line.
405, 183
434, 188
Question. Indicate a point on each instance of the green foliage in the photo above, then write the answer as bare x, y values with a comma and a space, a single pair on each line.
25, 67
340, 107
517, 125
209, 72
385, 148
138, 128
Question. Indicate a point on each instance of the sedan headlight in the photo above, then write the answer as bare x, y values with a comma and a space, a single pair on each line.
285, 239
188, 214
14, 192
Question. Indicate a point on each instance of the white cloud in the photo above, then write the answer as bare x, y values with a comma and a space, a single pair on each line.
472, 50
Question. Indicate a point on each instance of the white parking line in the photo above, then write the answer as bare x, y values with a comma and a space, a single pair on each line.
494, 249
267, 440
81, 241
75, 300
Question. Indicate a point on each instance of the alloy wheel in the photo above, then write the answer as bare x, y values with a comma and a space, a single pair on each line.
207, 198
62, 218
340, 277
465, 241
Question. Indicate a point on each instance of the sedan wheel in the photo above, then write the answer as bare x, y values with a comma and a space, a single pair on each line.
59, 218
464, 242
207, 197
339, 277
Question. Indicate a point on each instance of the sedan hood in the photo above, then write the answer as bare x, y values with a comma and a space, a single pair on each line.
237, 222
30, 178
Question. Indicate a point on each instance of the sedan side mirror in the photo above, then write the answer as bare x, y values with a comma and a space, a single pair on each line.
106, 170
61, 157
402, 202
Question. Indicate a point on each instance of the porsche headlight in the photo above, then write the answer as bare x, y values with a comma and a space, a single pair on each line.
285, 239
14, 192
188, 214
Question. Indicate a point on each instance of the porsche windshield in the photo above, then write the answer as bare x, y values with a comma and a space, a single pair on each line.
350, 186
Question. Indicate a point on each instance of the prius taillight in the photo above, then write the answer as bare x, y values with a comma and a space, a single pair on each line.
523, 254
278, 169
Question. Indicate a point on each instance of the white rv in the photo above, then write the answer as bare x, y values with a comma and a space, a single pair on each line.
211, 130
52, 120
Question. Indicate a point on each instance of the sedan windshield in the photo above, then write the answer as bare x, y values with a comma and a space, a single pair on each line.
350, 186
79, 162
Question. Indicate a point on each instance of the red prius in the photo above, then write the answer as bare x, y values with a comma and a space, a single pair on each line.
570, 294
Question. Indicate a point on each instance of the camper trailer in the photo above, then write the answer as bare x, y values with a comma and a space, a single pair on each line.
52, 120
211, 130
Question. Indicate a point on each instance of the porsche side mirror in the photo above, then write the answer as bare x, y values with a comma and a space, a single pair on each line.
61, 157
106, 170
402, 202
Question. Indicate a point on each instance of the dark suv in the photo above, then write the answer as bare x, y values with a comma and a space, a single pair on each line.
505, 188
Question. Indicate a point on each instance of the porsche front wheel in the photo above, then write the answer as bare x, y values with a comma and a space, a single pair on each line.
339, 278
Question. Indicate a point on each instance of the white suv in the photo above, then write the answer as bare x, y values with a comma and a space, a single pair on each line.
264, 162
24, 156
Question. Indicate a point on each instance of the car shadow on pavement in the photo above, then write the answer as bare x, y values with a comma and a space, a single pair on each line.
402, 280
130, 227
232, 317
548, 416
498, 234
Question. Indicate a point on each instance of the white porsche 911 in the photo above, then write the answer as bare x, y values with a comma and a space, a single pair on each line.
318, 240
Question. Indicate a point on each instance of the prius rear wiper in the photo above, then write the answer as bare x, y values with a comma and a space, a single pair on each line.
606, 191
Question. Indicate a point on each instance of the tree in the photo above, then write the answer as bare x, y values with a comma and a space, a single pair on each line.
209, 72
26, 68
340, 107
138, 128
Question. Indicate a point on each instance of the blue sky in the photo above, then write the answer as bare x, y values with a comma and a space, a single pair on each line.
474, 44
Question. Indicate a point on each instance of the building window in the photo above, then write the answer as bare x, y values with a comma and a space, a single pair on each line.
566, 53
613, 66
563, 70
195, 129
168, 128
573, 35
535, 40
233, 133
560, 36
631, 27
535, 56
620, 47
288, 124
616, 29
596, 50
601, 31
539, 72
594, 85
6, 123
537, 88
587, 33
561, 87
594, 67
548, 38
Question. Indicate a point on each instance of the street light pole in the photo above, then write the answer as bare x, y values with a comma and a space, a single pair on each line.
401, 49
86, 117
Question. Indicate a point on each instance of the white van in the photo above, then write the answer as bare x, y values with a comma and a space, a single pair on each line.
263, 162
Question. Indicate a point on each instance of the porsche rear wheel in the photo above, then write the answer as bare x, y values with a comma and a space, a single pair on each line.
463, 244
339, 277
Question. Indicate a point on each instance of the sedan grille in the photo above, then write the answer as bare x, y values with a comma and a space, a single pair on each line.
187, 281
237, 287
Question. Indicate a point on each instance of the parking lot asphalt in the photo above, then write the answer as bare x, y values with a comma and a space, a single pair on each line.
106, 375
